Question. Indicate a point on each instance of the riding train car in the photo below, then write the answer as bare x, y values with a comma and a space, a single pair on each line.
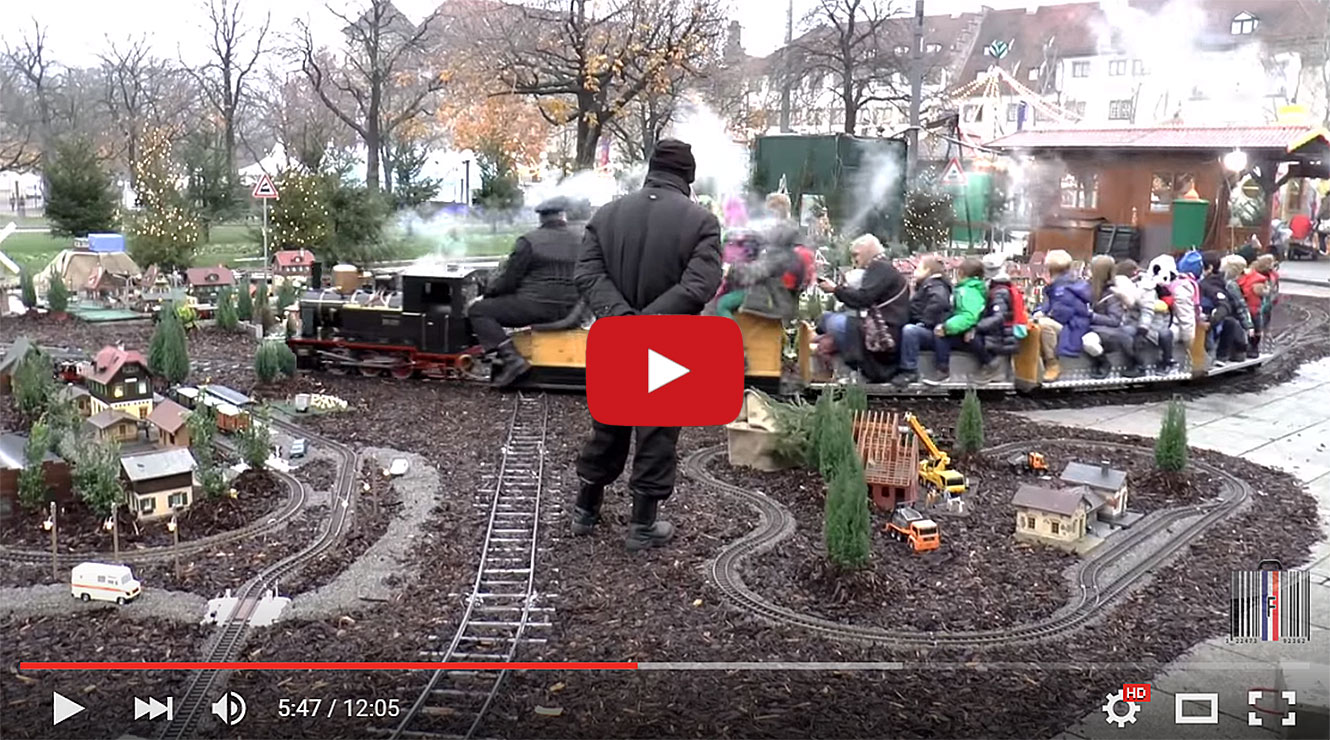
422, 329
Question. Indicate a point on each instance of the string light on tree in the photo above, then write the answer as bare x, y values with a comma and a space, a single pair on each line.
164, 231
300, 218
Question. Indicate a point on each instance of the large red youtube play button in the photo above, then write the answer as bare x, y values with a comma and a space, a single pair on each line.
665, 371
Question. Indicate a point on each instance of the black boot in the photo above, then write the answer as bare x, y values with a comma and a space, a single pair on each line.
647, 531
586, 512
514, 365
1099, 366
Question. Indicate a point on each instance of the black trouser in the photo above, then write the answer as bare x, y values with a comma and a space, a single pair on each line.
1232, 338
654, 464
489, 316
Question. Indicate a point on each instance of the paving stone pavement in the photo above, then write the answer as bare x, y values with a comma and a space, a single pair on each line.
1286, 427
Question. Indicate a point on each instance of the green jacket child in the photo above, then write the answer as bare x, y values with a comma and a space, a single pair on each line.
969, 299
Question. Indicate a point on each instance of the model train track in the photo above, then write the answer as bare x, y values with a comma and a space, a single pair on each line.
501, 606
776, 524
231, 634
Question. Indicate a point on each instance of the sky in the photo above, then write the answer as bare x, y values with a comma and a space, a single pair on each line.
78, 29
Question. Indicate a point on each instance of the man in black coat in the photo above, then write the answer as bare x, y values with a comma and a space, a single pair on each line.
535, 286
652, 252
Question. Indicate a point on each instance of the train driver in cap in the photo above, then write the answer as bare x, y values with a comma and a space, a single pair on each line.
535, 286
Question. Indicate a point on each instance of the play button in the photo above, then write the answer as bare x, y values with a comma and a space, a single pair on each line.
63, 708
662, 371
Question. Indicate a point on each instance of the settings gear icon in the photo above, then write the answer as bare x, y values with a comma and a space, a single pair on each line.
1110, 709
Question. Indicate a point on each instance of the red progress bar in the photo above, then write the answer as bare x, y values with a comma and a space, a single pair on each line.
298, 666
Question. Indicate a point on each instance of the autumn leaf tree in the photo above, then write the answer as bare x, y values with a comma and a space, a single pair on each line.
585, 62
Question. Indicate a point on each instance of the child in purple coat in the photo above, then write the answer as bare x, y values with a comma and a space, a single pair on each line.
1064, 316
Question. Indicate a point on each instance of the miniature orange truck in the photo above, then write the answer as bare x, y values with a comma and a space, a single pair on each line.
1028, 461
909, 525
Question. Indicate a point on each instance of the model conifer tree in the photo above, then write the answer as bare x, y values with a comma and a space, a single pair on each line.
1171, 446
27, 289
846, 525
227, 318
57, 295
856, 398
244, 303
300, 218
32, 489
168, 351
970, 425
164, 232
34, 385
262, 311
266, 365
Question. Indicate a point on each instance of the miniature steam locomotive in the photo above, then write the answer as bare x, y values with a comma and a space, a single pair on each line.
420, 328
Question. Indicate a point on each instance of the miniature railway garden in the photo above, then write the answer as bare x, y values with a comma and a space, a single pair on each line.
426, 521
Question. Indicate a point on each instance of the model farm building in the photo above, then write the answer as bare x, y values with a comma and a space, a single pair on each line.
168, 418
159, 482
1103, 481
118, 379
206, 283
112, 425
13, 461
1053, 516
293, 263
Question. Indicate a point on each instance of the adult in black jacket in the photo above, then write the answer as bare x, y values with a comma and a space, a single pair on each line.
535, 286
652, 252
883, 286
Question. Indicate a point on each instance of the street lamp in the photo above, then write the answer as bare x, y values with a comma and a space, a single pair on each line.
113, 527
174, 527
50, 526
1235, 161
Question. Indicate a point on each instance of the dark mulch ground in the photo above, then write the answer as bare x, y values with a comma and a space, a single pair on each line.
317, 474
374, 509
208, 343
81, 530
100, 635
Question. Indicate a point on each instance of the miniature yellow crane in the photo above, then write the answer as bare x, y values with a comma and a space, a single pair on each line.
935, 472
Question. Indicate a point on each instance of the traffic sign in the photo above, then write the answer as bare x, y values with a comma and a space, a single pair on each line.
954, 174
265, 188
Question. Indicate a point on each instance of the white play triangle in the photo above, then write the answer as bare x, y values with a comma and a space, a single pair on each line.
661, 370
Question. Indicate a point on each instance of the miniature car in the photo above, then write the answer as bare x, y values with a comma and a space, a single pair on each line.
104, 582
298, 448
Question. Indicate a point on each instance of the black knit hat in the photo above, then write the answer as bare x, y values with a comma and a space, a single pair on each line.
672, 155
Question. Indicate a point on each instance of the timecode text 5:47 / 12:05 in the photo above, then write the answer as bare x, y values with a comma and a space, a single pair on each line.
339, 707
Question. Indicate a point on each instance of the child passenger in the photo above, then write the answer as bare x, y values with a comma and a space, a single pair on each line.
957, 331
1064, 316
1110, 297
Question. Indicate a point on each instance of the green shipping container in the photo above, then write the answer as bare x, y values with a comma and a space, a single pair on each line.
1189, 223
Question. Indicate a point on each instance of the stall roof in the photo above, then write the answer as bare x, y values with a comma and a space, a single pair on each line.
1273, 138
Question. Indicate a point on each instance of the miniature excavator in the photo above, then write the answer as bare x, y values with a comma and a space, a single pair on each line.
909, 525
1033, 462
936, 471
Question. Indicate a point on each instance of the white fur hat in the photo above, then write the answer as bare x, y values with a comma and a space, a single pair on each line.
995, 266
1162, 270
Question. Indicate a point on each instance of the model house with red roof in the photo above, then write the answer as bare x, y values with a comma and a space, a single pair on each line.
205, 283
293, 263
118, 379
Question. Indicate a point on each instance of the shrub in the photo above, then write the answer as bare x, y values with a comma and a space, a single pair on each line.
794, 431
970, 425
846, 526
254, 442
32, 488
27, 289
168, 351
227, 317
1171, 446
244, 303
57, 296
96, 476
34, 385
274, 359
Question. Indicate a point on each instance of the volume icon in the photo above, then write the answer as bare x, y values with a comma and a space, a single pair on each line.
230, 708
152, 709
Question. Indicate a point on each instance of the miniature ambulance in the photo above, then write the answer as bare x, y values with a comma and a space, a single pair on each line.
104, 582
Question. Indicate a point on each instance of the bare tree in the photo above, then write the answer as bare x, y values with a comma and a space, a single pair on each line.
385, 78
294, 116
644, 120
143, 92
19, 134
845, 41
33, 75
225, 80
586, 62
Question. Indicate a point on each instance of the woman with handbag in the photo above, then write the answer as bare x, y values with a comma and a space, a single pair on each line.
869, 344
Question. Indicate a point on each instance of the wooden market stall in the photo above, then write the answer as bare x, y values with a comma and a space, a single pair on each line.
1158, 189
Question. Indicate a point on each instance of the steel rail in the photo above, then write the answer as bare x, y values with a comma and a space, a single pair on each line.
776, 524
514, 510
